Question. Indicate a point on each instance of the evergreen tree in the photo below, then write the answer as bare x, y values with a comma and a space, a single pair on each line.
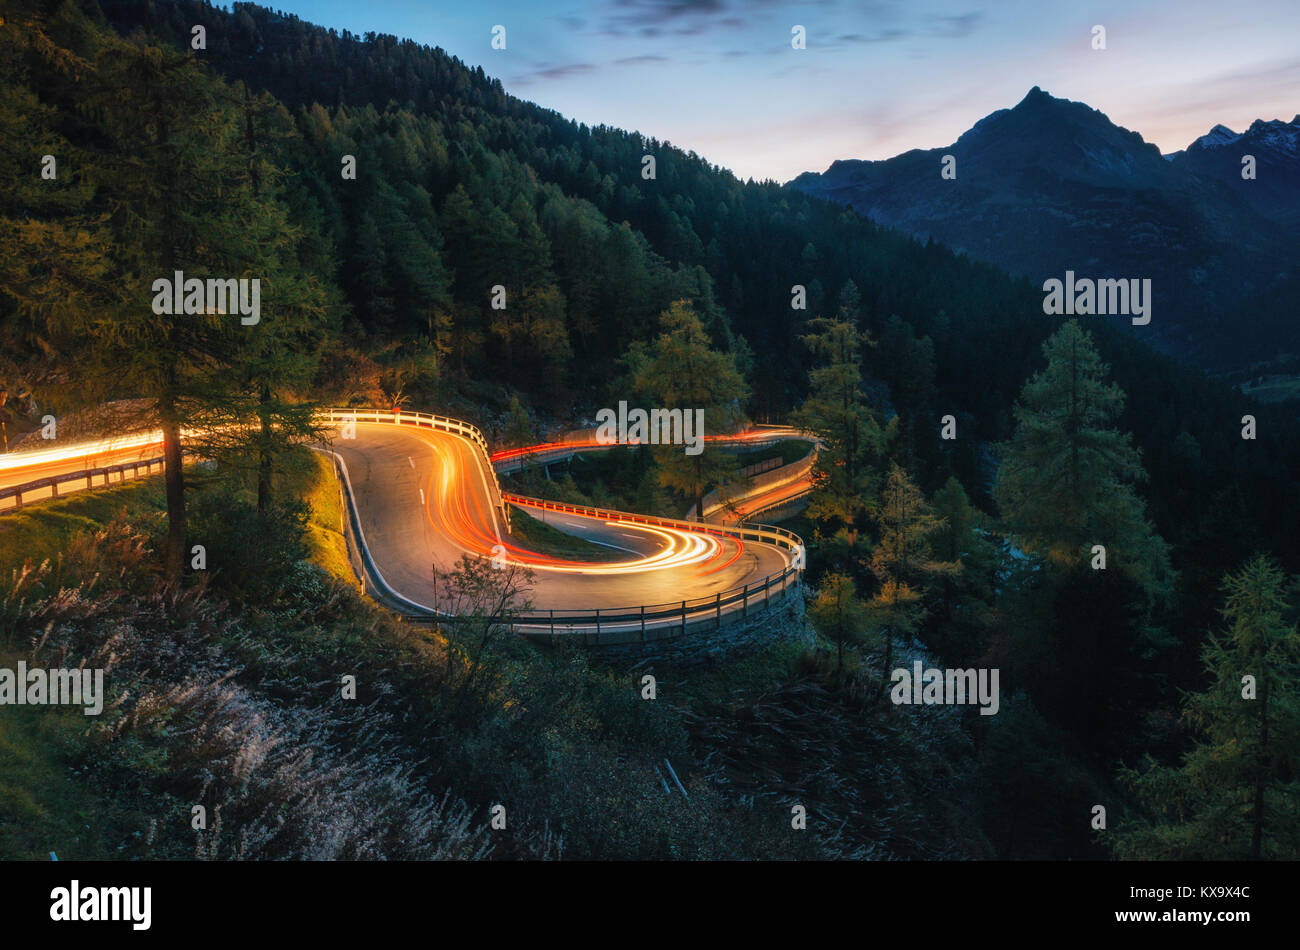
1237, 793
838, 614
836, 410
278, 357
169, 147
960, 621
680, 370
903, 560
1066, 477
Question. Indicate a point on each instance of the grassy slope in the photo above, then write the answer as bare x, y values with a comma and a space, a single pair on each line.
42, 530
319, 485
538, 536
44, 804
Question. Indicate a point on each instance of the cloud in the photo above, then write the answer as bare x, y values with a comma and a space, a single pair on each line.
637, 60
553, 72
650, 17
881, 36
962, 25
572, 21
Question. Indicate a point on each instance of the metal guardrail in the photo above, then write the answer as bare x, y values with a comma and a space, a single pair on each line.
774, 506
426, 420
600, 626
719, 499
52, 482
613, 625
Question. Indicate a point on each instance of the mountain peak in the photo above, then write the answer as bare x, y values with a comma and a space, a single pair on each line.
1270, 132
1218, 136
1037, 96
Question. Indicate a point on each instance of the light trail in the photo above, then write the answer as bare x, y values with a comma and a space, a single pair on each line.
17, 461
749, 435
460, 512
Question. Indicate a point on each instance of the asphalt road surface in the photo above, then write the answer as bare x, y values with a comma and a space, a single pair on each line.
423, 499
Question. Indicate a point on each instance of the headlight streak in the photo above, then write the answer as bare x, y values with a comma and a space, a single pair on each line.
455, 510
81, 450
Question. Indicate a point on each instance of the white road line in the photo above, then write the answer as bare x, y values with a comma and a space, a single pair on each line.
421, 497
411, 460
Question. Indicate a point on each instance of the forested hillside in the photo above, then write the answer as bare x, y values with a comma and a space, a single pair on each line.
461, 187
378, 290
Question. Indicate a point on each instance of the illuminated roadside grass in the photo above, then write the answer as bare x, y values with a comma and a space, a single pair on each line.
43, 529
535, 535
328, 549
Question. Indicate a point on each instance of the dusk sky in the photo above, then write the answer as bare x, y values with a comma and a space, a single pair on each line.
719, 77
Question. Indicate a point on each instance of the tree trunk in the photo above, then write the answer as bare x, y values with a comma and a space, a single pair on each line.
174, 479
889, 661
264, 455
1257, 829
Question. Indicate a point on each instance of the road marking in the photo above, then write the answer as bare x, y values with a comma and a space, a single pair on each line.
606, 544
411, 460
421, 497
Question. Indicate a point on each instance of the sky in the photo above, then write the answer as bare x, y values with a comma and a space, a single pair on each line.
720, 77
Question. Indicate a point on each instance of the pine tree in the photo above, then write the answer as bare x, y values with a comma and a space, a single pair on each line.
838, 614
957, 624
679, 370
836, 410
1237, 793
1066, 477
903, 561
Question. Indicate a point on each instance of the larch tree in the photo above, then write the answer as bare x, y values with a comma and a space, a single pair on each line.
1065, 483
844, 474
177, 188
1237, 793
680, 370
838, 614
903, 560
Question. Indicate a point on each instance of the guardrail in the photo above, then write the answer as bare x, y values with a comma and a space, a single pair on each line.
719, 499
609, 626
426, 420
618, 625
52, 482
600, 626
776, 505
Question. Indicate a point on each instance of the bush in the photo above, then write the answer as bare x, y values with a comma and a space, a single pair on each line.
250, 556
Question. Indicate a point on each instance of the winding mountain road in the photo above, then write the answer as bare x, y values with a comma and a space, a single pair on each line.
423, 492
